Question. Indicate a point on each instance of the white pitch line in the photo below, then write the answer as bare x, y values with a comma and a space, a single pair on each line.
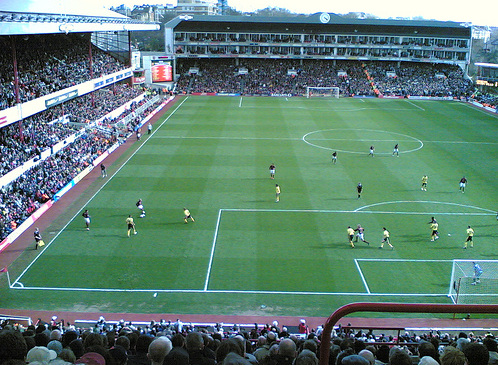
415, 105
424, 202
362, 276
233, 138
211, 258
240, 102
266, 292
321, 139
349, 211
408, 260
98, 191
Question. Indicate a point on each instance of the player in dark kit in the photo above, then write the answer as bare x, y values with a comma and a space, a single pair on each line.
140, 206
86, 218
38, 239
359, 188
334, 157
360, 234
463, 183
272, 171
396, 150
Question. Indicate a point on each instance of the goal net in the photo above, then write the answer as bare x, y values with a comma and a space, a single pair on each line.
332, 91
471, 284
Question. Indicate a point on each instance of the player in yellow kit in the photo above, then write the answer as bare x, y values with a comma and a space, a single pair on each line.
424, 183
386, 239
434, 231
277, 193
131, 225
470, 236
350, 236
187, 214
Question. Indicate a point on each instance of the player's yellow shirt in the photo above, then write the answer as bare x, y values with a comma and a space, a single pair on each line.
434, 226
277, 189
386, 233
129, 220
186, 212
350, 231
424, 179
470, 232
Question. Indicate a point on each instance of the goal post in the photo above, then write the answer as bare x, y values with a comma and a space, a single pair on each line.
314, 91
469, 285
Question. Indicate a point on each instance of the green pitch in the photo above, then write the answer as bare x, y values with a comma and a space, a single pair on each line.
247, 254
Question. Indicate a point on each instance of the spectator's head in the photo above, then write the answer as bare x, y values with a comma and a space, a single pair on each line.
227, 346
158, 349
354, 360
12, 346
453, 356
427, 360
368, 355
77, 347
124, 342
91, 358
195, 342
40, 354
427, 349
399, 357
118, 355
306, 357
178, 340
67, 355
143, 343
310, 345
234, 359
287, 348
476, 353
56, 346
490, 344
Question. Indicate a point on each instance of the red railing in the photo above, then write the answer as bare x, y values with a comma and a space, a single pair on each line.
394, 308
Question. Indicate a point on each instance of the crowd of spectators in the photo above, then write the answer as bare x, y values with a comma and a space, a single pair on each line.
421, 79
43, 130
49, 63
486, 99
176, 343
20, 198
291, 77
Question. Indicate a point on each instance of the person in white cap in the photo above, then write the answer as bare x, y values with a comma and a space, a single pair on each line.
40, 354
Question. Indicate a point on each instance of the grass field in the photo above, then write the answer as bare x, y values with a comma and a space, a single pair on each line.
247, 254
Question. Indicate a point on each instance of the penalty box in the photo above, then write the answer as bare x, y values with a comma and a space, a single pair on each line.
311, 248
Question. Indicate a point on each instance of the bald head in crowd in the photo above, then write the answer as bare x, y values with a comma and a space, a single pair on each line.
158, 349
287, 348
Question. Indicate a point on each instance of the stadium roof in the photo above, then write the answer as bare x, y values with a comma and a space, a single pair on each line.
320, 21
62, 16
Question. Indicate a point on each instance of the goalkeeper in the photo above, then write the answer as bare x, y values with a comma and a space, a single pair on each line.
477, 273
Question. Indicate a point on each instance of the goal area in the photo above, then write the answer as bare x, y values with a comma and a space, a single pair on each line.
314, 91
474, 285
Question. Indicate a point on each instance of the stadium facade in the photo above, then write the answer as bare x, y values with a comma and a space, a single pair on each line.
319, 36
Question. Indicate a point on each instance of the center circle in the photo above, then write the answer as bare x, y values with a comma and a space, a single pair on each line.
362, 137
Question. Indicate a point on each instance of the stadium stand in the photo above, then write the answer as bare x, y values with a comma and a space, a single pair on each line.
272, 77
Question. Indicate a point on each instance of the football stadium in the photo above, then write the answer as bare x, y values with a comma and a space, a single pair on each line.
319, 183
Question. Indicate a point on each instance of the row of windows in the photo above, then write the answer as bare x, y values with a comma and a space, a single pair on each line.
187, 37
322, 51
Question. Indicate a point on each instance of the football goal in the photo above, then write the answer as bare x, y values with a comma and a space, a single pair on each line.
474, 282
312, 91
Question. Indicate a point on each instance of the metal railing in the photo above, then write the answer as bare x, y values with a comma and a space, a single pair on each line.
394, 308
